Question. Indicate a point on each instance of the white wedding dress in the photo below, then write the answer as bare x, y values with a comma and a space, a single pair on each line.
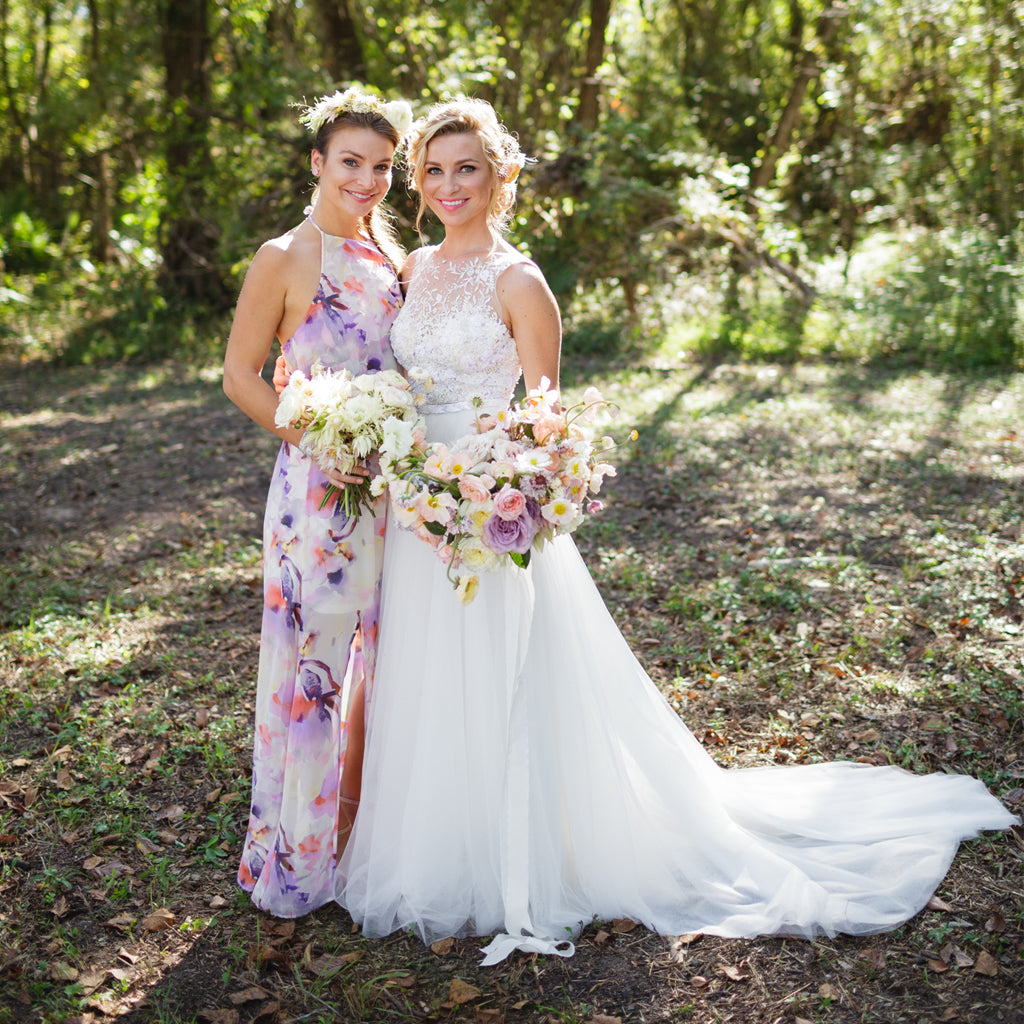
523, 775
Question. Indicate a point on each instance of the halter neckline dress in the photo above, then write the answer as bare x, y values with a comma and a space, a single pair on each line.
321, 585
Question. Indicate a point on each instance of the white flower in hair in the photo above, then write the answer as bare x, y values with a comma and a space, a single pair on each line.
397, 113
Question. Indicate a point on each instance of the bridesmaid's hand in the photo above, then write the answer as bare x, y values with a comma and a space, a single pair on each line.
358, 475
282, 374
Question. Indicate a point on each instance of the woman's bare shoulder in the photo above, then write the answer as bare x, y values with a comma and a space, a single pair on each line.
523, 280
278, 259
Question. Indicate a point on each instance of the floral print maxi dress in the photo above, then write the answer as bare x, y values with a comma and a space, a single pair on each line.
320, 597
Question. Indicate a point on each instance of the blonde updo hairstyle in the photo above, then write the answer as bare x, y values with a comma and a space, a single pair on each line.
501, 149
379, 222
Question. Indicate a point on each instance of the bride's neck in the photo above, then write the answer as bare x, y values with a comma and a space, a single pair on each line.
468, 243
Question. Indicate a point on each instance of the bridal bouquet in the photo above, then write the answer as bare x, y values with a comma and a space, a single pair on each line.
495, 496
346, 418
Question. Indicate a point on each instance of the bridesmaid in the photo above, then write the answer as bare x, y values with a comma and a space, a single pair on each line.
327, 290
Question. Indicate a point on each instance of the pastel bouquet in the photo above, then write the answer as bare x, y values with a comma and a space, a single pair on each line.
345, 419
491, 498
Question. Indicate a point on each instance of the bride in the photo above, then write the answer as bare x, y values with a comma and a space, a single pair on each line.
522, 774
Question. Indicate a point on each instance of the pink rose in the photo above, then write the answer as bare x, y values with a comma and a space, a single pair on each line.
509, 502
472, 489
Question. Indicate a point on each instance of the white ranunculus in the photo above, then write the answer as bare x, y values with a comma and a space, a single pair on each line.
290, 406
397, 438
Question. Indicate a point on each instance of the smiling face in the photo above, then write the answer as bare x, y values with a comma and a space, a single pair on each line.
458, 181
354, 176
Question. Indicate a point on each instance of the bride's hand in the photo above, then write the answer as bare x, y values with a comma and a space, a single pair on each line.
282, 373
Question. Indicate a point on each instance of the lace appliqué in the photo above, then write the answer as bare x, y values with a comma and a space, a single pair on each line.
450, 328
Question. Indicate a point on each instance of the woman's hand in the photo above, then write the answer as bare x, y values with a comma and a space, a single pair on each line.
357, 475
282, 374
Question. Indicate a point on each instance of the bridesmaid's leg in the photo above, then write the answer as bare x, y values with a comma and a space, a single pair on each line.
352, 773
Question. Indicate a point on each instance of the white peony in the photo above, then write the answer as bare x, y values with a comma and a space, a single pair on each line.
396, 438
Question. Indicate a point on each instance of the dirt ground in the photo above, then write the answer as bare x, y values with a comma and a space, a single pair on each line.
130, 508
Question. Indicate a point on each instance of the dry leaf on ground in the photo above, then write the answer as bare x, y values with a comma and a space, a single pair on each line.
269, 1014
875, 957
996, 923
267, 956
219, 1016
160, 920
462, 992
91, 980
986, 964
950, 954
333, 964
733, 973
251, 994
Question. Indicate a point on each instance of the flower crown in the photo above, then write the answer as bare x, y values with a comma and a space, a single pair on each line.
397, 113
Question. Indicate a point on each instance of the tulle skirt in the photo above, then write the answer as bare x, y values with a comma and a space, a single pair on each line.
523, 776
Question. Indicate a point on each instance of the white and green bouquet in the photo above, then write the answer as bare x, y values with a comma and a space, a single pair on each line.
346, 418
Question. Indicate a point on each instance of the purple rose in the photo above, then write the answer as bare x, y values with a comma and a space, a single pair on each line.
505, 535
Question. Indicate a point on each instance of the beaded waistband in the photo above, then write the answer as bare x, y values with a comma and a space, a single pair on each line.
429, 409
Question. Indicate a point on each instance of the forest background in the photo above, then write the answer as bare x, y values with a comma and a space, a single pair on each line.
762, 177
786, 238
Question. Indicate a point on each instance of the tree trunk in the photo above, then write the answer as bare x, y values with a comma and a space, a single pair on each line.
343, 55
102, 191
189, 238
806, 69
17, 115
590, 88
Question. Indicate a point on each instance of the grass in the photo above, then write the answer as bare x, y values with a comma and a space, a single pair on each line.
811, 562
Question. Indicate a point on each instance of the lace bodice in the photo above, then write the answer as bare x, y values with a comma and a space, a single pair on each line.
451, 328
